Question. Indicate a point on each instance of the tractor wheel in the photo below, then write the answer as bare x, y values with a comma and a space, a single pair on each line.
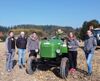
64, 67
31, 65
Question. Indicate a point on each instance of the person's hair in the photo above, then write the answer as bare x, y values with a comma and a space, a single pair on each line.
99, 25
10, 32
72, 33
68, 36
90, 27
34, 32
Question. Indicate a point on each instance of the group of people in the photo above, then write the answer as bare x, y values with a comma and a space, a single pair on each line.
32, 44
90, 44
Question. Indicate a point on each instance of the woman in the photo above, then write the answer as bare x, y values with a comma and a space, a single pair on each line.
89, 48
10, 50
72, 45
33, 45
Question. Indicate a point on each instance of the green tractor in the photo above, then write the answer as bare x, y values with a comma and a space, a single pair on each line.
54, 53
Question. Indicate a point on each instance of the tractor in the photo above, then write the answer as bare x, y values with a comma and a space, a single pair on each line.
53, 52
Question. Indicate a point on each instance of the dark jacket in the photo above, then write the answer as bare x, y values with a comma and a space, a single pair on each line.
21, 42
10, 44
90, 44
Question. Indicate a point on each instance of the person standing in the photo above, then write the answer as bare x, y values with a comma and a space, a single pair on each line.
21, 45
89, 48
33, 45
10, 50
72, 45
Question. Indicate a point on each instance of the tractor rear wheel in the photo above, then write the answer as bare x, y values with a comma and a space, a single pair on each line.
31, 65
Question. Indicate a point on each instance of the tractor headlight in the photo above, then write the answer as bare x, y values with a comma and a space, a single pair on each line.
64, 45
58, 50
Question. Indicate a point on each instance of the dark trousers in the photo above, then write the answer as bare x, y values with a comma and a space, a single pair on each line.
73, 59
32, 53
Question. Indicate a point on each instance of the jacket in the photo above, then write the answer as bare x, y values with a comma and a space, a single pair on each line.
10, 44
32, 44
90, 44
21, 42
73, 44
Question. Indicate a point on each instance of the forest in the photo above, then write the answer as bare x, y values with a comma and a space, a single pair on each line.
47, 30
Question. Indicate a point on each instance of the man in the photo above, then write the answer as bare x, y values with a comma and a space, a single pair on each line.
89, 48
10, 50
21, 45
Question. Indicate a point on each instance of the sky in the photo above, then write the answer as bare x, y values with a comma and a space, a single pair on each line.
48, 12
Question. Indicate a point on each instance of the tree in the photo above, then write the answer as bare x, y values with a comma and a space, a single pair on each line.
94, 23
86, 25
83, 30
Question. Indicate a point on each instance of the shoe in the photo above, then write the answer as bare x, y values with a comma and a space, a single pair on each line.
72, 70
89, 74
20, 66
24, 66
8, 70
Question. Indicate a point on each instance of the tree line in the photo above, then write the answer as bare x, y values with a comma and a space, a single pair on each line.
47, 30
41, 30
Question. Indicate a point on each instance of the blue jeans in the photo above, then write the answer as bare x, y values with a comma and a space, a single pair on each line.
89, 57
9, 60
21, 56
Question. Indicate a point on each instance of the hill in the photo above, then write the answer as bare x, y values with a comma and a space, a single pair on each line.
41, 30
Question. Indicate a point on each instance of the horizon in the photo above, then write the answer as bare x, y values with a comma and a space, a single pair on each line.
34, 25
48, 12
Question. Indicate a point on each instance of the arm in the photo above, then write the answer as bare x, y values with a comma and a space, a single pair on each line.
28, 44
68, 43
37, 44
17, 43
6, 44
94, 43
76, 44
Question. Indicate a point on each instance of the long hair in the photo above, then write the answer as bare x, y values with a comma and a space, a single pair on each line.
69, 37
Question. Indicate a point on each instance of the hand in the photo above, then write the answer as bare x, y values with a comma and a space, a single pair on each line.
70, 46
36, 50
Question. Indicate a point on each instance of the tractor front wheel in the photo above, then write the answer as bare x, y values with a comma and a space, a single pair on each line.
64, 67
